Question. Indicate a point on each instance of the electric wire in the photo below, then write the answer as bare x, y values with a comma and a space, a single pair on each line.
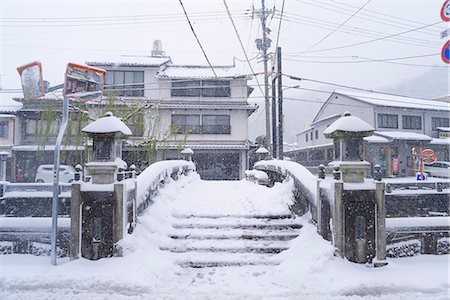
196, 37
340, 25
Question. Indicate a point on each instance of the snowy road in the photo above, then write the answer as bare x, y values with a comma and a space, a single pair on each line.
307, 270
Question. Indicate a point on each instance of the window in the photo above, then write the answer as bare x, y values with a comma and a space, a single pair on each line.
203, 88
125, 83
412, 122
216, 124
317, 134
4, 129
387, 121
306, 136
439, 122
216, 88
183, 124
311, 135
186, 88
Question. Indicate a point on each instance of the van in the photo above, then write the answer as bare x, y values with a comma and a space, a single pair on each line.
438, 169
44, 173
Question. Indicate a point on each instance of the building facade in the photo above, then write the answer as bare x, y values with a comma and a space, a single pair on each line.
401, 123
168, 108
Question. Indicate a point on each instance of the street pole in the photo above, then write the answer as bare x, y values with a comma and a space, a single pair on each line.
274, 118
280, 105
56, 163
266, 79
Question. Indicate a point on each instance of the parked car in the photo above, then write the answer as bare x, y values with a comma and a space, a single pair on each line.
44, 173
438, 169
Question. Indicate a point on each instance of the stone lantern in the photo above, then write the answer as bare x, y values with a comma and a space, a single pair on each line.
262, 153
105, 158
187, 154
347, 133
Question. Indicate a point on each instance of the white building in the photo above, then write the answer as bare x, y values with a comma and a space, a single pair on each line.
185, 106
400, 123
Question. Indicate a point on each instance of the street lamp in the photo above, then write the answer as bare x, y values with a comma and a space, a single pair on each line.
187, 153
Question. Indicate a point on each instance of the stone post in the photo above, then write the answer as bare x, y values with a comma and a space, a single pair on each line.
75, 226
118, 227
338, 221
380, 259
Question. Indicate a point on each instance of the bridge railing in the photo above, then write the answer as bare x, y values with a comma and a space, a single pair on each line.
305, 183
155, 176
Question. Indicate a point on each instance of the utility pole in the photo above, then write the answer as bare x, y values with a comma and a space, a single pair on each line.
262, 45
274, 115
280, 105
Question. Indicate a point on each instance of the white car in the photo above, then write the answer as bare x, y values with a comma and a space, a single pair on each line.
44, 173
438, 169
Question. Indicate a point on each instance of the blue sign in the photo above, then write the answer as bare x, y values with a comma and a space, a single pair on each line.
445, 54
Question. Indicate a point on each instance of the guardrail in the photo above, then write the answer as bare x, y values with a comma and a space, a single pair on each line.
439, 186
155, 176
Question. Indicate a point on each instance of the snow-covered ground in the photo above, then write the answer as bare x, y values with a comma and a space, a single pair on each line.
308, 269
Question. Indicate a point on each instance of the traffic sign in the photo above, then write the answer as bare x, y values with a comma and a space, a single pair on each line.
445, 54
445, 11
428, 156
445, 33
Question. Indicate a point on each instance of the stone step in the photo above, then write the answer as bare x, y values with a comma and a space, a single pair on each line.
221, 264
274, 250
243, 216
223, 259
237, 226
278, 236
236, 221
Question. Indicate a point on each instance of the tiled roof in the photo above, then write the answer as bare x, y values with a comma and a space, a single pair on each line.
181, 71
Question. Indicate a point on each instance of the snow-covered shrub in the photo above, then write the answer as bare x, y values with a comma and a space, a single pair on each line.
6, 247
443, 245
404, 249
41, 249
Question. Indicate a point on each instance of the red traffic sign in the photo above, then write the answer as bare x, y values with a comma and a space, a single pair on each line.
445, 53
428, 156
445, 11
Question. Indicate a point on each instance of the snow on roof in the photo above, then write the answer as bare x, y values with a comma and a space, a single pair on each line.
326, 118
376, 139
132, 61
443, 128
206, 146
45, 148
403, 135
209, 106
381, 99
7, 104
348, 123
182, 71
107, 124
445, 141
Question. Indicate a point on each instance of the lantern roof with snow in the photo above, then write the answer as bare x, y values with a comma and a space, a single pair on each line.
108, 124
348, 126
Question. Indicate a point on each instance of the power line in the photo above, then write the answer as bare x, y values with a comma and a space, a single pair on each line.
356, 31
198, 41
368, 17
340, 25
278, 32
241, 44
373, 40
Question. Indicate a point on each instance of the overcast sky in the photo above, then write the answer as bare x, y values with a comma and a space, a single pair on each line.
317, 38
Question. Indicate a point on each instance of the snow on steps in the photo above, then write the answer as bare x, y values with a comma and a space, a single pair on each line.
230, 240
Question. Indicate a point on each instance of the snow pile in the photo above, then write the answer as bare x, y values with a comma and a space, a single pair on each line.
405, 248
296, 170
156, 172
6, 247
443, 245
